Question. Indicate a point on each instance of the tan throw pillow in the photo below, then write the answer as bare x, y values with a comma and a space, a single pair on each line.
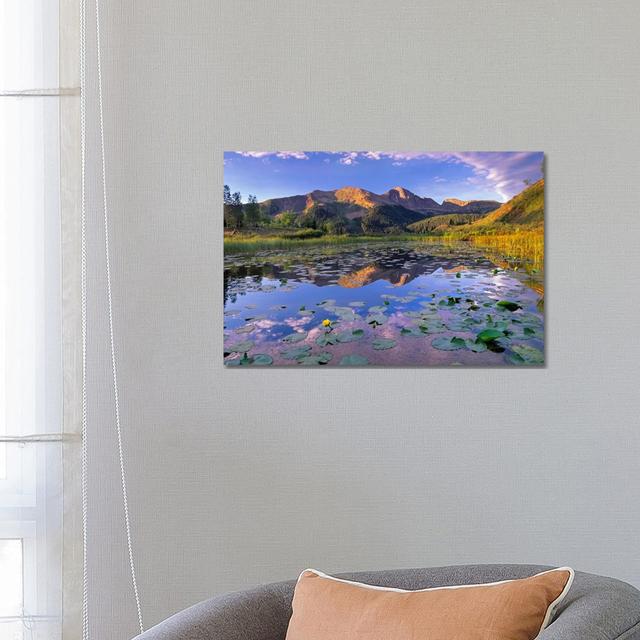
326, 608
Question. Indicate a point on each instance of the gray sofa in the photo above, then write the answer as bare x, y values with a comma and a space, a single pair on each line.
596, 608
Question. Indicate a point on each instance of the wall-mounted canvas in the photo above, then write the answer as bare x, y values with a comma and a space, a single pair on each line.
371, 258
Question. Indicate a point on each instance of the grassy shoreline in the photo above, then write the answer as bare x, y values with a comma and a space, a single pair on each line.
520, 243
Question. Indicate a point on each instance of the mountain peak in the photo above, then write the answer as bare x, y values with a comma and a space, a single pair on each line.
457, 201
402, 192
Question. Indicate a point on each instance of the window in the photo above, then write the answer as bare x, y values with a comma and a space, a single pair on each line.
31, 333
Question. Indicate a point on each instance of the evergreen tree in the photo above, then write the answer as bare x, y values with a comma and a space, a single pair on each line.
252, 211
236, 209
227, 207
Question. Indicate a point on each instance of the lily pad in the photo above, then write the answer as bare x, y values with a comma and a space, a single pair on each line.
411, 332
262, 360
296, 352
350, 336
377, 309
380, 344
357, 303
240, 347
292, 338
448, 344
346, 313
432, 327
524, 354
475, 346
508, 305
489, 335
316, 358
376, 319
326, 339
354, 360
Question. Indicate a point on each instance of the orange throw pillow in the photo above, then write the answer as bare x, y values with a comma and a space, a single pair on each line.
326, 608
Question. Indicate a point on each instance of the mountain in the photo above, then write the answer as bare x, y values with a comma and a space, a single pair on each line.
276, 205
408, 200
388, 218
527, 208
453, 205
442, 222
353, 202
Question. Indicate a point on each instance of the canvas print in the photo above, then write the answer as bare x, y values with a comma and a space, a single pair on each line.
372, 258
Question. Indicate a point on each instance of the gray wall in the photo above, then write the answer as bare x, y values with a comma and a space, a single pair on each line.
241, 477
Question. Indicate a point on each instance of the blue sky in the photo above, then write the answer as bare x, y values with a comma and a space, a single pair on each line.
474, 175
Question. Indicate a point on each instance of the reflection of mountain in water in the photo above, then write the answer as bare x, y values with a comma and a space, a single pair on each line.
370, 274
349, 269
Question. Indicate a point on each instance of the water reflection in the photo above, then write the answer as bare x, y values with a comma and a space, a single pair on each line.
383, 293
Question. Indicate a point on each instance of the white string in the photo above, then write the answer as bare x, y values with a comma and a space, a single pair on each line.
114, 370
83, 305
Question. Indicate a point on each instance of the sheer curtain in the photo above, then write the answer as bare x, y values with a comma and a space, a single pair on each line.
39, 542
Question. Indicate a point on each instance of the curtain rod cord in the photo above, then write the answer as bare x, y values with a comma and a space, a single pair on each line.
114, 369
83, 313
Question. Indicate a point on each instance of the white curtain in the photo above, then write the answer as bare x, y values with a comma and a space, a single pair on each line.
39, 541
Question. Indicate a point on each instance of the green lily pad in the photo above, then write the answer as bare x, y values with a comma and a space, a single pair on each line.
296, 352
306, 312
432, 327
524, 354
448, 344
346, 313
349, 336
377, 309
326, 339
354, 360
475, 346
531, 319
325, 303
240, 347
411, 332
292, 338
376, 319
316, 358
508, 305
489, 335
262, 360
357, 303
380, 344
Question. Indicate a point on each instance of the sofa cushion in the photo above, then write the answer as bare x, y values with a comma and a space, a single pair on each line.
327, 608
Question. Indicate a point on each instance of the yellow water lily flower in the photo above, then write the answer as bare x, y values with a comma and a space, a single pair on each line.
326, 322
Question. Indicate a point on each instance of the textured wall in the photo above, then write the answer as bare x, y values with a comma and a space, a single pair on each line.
244, 476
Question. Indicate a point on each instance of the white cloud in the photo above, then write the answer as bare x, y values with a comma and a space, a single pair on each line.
504, 172
501, 171
297, 155
349, 158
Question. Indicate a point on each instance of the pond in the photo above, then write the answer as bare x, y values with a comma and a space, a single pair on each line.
382, 304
